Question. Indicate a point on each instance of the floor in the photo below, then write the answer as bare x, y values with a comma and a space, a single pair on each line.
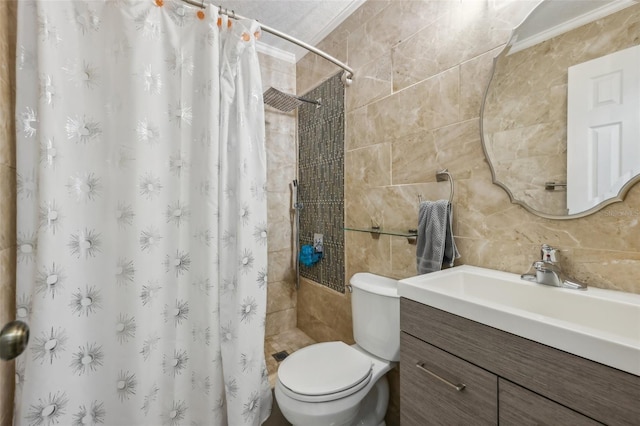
289, 341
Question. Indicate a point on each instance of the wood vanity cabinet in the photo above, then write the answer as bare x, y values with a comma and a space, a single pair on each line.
508, 380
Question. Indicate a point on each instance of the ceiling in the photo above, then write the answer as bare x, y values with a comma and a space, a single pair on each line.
307, 20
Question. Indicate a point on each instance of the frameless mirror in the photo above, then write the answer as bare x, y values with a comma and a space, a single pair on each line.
559, 119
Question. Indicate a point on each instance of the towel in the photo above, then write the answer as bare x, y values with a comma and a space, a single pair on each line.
435, 243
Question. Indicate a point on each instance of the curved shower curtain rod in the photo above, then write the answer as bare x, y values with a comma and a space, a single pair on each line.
347, 76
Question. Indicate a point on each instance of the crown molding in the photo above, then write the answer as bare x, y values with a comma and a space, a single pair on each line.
585, 18
275, 52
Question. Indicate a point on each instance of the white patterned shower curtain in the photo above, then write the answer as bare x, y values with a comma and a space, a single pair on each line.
141, 216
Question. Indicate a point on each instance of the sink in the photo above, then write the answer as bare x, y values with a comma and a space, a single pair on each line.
597, 324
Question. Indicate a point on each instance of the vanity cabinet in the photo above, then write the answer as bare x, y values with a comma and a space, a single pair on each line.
509, 380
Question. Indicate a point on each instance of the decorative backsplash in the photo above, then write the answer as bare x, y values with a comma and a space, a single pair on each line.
321, 178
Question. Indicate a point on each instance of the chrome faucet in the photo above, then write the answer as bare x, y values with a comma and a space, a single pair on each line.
548, 271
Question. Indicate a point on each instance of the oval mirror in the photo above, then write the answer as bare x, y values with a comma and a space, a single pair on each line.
559, 121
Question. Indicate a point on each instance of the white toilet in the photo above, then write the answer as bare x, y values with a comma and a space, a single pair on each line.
335, 384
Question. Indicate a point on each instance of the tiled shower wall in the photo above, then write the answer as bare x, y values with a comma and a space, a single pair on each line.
321, 175
7, 196
280, 139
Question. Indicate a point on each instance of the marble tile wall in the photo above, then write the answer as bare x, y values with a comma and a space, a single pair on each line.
421, 70
7, 196
280, 137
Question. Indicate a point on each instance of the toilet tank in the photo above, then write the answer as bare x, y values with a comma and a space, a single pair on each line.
375, 306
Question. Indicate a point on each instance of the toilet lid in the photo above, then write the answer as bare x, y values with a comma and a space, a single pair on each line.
324, 368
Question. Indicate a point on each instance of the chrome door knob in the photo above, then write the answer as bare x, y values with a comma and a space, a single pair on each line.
14, 337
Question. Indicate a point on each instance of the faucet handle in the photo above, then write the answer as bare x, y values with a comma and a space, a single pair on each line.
548, 253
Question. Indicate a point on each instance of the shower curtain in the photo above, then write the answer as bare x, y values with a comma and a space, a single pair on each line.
141, 216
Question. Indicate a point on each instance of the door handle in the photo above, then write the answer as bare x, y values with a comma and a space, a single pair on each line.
14, 337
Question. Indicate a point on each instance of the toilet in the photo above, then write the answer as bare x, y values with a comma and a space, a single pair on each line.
335, 384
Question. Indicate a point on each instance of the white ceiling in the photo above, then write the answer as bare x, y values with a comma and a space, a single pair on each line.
307, 20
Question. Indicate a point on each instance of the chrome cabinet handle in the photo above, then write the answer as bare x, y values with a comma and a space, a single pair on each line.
459, 387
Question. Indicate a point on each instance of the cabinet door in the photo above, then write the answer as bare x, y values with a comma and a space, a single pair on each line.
521, 407
428, 394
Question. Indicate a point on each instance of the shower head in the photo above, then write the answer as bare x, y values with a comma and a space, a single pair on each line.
285, 102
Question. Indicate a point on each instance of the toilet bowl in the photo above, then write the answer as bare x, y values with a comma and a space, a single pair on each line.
332, 383
353, 389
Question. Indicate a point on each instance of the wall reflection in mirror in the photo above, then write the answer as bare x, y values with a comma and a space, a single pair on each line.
525, 111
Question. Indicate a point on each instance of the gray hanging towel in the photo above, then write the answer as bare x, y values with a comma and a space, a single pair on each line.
435, 243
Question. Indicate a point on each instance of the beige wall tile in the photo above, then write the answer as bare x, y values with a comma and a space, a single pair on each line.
280, 321
7, 82
280, 234
418, 167
461, 31
368, 10
281, 158
282, 265
313, 69
7, 206
368, 167
395, 23
280, 217
362, 209
279, 122
327, 315
472, 93
403, 258
372, 82
280, 140
280, 296
427, 105
435, 150
270, 65
429, 51
282, 82
365, 253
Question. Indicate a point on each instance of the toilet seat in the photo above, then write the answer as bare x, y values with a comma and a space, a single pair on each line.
324, 372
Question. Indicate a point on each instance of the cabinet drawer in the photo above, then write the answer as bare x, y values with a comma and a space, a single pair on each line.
521, 407
429, 400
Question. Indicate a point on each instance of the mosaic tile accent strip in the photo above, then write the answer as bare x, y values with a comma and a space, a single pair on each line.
321, 177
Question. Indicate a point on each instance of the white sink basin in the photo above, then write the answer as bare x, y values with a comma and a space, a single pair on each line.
600, 325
